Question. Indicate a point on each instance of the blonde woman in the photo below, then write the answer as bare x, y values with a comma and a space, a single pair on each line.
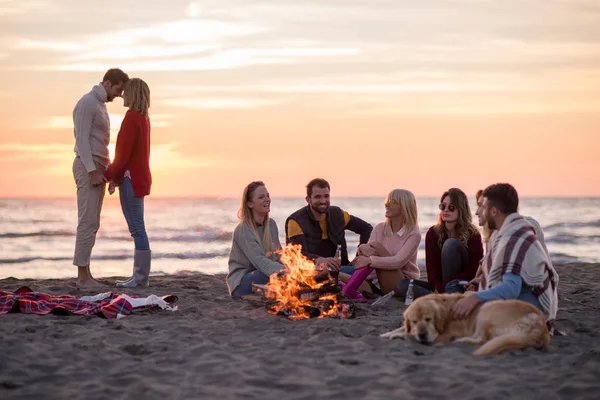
392, 249
252, 258
130, 171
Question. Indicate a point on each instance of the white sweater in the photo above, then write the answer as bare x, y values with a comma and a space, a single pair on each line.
92, 128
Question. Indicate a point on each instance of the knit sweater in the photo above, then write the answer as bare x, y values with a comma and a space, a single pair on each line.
132, 154
92, 128
433, 259
247, 254
403, 249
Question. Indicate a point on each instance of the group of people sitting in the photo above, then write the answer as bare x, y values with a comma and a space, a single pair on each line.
515, 265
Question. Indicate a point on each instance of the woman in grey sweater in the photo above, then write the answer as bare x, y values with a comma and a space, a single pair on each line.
256, 238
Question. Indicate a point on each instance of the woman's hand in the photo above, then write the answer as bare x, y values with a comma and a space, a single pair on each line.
361, 262
379, 249
366, 250
111, 187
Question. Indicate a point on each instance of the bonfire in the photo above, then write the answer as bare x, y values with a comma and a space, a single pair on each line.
301, 290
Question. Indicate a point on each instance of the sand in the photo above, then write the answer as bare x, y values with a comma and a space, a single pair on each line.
218, 348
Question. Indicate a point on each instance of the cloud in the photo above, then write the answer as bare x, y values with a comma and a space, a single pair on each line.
63, 47
63, 122
219, 60
168, 157
223, 103
49, 150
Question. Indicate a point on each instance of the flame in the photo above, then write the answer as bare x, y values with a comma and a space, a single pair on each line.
296, 292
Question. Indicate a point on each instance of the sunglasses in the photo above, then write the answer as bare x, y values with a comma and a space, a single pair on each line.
390, 203
450, 207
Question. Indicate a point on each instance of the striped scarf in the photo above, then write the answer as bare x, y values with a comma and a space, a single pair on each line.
515, 249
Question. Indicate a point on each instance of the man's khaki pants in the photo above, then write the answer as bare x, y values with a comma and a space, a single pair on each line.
89, 205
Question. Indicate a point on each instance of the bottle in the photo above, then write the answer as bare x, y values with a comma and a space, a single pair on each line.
338, 256
410, 296
382, 300
338, 253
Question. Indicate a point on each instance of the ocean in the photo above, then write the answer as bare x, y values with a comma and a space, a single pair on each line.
37, 236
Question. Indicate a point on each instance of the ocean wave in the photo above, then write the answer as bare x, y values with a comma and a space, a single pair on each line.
573, 239
219, 236
561, 225
13, 235
155, 256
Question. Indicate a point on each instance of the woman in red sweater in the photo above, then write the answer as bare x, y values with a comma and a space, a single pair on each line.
453, 246
130, 170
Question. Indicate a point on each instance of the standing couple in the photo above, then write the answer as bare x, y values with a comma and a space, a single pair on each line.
129, 171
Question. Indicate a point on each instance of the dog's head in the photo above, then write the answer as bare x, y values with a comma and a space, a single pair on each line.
427, 317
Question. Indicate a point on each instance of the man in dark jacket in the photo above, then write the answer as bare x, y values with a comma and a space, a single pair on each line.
320, 227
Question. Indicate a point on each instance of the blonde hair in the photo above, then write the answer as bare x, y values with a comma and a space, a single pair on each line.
464, 227
408, 204
136, 96
246, 216
486, 231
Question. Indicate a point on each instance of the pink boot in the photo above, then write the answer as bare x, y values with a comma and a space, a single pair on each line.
349, 290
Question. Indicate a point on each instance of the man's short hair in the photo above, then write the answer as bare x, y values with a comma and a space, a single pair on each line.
503, 196
115, 76
318, 182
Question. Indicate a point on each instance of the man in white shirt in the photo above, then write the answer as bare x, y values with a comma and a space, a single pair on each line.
92, 136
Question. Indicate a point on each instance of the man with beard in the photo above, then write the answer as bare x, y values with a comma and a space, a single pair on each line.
477, 282
517, 265
320, 227
92, 136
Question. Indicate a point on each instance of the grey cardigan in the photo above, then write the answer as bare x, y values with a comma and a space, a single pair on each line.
247, 254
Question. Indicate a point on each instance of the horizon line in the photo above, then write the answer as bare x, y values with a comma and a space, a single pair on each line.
212, 197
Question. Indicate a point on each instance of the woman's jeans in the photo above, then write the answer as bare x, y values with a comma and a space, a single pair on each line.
245, 286
455, 258
133, 210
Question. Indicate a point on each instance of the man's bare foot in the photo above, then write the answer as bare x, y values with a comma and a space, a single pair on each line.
90, 282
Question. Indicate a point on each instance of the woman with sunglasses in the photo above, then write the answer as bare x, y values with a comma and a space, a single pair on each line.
392, 249
255, 240
453, 246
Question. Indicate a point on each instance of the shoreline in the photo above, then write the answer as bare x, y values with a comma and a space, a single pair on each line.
215, 347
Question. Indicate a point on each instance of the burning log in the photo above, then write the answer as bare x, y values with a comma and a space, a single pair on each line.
301, 291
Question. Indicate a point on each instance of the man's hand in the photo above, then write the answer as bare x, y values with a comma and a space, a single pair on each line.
366, 250
328, 262
465, 306
111, 187
97, 178
361, 262
473, 284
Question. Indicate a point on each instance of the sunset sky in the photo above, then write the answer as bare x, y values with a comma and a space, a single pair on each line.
371, 95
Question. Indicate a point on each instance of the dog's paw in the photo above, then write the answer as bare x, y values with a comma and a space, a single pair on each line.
395, 334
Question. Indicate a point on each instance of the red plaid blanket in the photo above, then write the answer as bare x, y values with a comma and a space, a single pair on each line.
27, 301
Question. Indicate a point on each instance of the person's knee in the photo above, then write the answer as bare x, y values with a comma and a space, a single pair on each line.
88, 227
259, 278
451, 244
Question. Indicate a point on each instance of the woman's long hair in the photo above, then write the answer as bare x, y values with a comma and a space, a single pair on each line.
136, 96
464, 227
246, 216
408, 204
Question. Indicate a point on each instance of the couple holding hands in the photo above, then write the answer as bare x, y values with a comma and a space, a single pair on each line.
129, 170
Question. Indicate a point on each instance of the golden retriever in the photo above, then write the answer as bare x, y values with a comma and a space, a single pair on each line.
498, 325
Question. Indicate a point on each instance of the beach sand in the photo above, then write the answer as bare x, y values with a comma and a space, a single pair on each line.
218, 348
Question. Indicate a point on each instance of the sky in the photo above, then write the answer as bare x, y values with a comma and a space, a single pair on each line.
370, 95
